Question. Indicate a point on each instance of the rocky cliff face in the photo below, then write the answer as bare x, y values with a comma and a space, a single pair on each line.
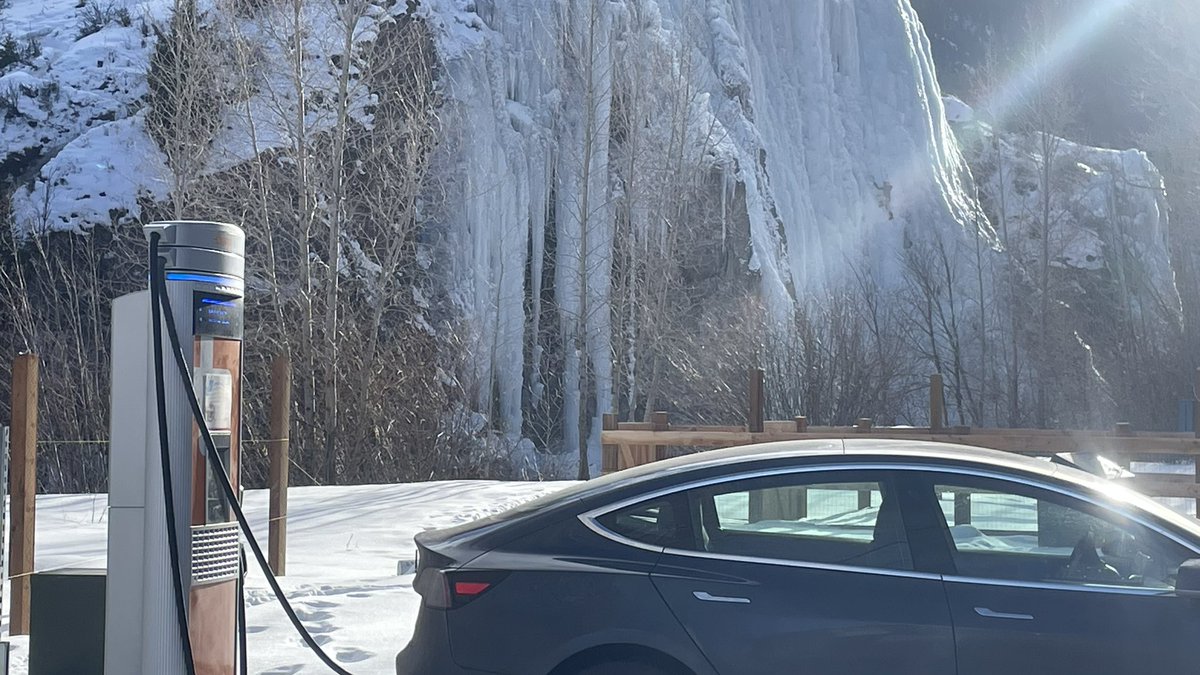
1098, 217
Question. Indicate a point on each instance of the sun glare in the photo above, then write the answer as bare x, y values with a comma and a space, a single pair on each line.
1045, 61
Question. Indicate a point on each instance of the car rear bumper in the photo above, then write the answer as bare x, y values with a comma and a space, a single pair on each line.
428, 652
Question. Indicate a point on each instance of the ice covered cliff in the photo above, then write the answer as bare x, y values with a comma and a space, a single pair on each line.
827, 113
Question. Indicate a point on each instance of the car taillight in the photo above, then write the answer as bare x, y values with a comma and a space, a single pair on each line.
444, 589
470, 589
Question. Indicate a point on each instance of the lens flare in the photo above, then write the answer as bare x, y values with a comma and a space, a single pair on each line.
1052, 55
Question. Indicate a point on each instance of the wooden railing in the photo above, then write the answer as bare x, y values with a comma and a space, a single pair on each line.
628, 444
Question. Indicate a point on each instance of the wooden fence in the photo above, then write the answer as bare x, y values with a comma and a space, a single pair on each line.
629, 444
22, 478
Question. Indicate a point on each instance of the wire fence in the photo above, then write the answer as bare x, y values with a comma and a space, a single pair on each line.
87, 471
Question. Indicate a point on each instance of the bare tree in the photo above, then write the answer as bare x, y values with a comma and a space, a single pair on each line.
186, 96
1043, 113
992, 78
340, 152
55, 289
583, 208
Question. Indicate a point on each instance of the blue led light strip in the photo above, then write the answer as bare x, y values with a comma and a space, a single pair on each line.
204, 278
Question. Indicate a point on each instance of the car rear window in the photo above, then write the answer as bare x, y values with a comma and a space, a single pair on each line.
656, 522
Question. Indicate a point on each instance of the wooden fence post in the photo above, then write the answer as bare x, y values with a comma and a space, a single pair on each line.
1196, 431
4, 433
863, 426
937, 403
660, 421
22, 487
754, 418
609, 453
277, 450
962, 508
1196, 410
864, 499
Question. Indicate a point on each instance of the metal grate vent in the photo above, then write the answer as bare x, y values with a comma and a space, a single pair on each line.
214, 553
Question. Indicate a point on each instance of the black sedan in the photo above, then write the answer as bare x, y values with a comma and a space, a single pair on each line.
820, 557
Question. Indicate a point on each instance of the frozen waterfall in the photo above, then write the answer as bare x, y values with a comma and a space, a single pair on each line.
829, 117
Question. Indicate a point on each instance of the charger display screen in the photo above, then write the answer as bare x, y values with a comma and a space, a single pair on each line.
217, 315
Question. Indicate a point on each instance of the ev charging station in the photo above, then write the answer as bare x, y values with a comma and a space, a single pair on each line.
201, 267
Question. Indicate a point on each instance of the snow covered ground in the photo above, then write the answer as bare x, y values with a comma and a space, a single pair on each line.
343, 547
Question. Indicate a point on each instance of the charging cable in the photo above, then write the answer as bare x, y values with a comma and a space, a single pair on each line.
156, 267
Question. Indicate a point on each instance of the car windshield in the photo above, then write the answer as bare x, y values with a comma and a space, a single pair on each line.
1123, 496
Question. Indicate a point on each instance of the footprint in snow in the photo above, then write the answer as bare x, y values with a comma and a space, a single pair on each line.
321, 628
283, 670
307, 614
353, 655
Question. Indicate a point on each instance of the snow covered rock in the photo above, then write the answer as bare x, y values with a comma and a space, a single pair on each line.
956, 110
799, 147
1107, 214
70, 133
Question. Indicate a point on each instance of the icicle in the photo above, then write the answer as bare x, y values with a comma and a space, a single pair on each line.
825, 114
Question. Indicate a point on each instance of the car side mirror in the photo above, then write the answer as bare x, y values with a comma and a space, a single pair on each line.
1187, 581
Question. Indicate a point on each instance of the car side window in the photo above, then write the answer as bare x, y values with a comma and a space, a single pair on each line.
1001, 530
827, 517
656, 522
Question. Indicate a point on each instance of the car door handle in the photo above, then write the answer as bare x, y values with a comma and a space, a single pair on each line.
989, 614
702, 595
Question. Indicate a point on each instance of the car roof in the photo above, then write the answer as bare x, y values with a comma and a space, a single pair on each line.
746, 457
850, 447
932, 453
676, 473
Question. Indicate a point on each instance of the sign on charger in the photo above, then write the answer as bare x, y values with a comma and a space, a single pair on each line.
217, 396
